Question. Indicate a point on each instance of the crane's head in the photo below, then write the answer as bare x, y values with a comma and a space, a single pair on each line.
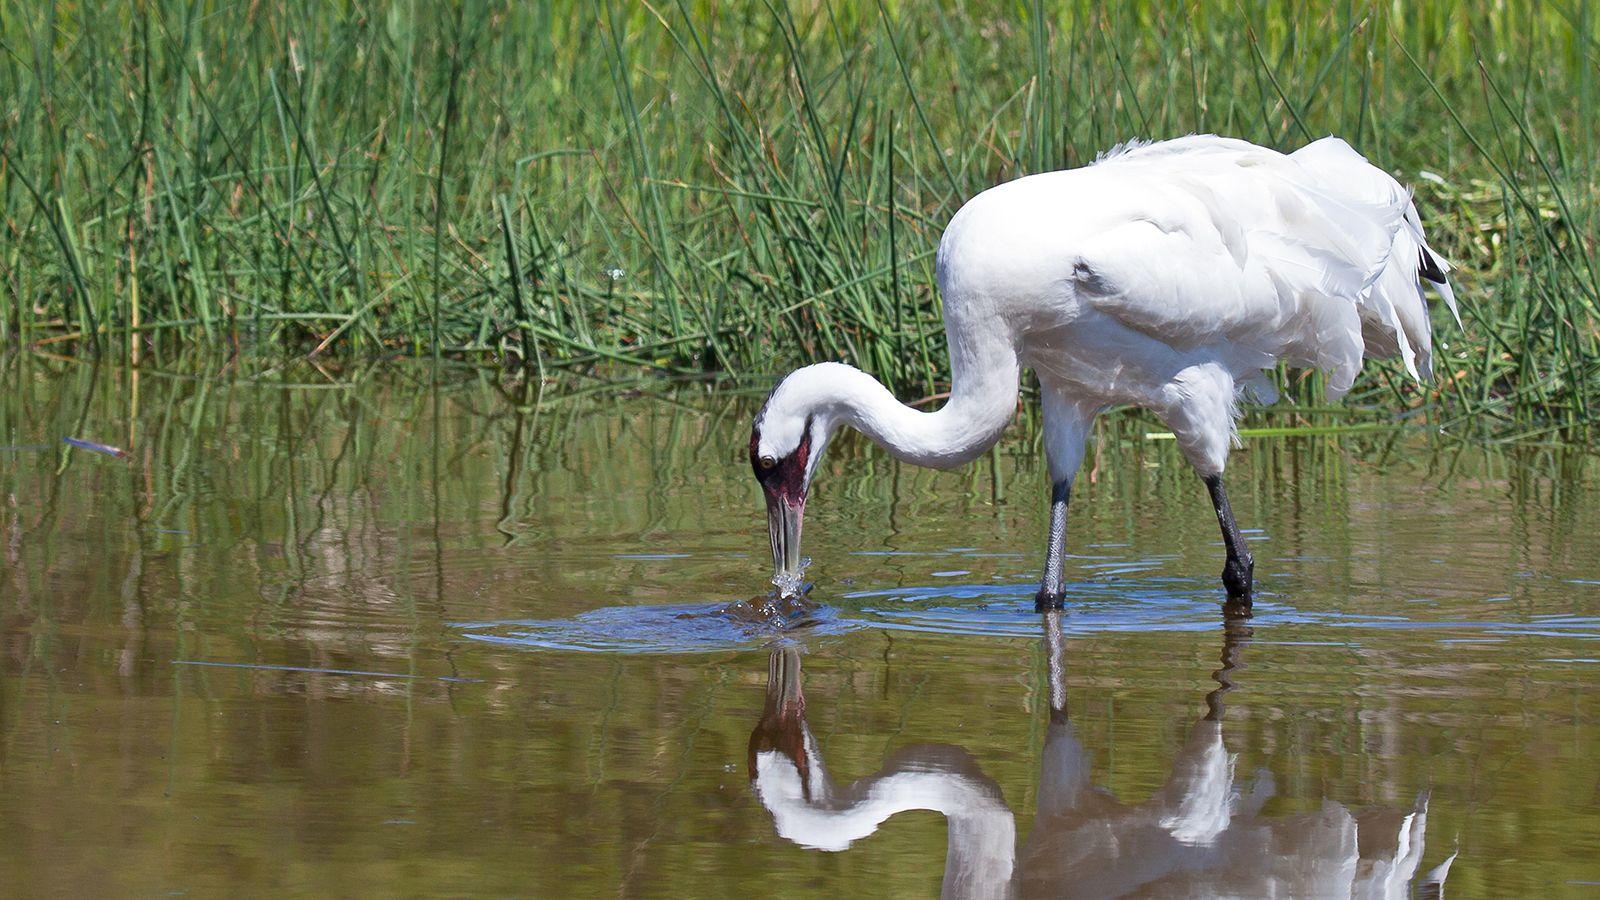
783, 469
786, 441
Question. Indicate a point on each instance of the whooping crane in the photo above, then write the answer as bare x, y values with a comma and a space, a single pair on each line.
1166, 275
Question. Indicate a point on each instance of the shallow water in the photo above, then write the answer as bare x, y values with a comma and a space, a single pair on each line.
347, 632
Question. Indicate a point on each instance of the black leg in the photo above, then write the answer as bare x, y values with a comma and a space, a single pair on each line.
1238, 572
1050, 590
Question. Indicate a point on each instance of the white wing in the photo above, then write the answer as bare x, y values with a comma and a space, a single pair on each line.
1312, 257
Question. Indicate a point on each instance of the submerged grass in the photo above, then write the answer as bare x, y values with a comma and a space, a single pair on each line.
690, 186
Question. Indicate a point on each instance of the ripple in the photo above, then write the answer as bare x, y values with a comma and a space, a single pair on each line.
1006, 610
673, 628
987, 609
1159, 604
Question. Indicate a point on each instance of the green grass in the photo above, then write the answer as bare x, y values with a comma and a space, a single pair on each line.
692, 186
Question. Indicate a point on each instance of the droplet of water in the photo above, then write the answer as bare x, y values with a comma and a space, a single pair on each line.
791, 584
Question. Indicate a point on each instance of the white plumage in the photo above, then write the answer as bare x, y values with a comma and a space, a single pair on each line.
1166, 275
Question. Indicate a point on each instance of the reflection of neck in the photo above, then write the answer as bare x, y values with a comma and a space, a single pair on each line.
810, 810
981, 833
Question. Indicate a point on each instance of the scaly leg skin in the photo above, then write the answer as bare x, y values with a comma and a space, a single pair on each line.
1066, 429
1239, 571
1051, 592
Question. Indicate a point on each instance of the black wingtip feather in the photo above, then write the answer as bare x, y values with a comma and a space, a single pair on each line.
1428, 267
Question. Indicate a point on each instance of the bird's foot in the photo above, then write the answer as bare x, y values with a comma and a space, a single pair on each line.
1238, 576
1236, 610
1044, 601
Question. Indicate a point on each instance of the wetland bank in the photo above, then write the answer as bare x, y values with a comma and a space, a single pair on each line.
378, 629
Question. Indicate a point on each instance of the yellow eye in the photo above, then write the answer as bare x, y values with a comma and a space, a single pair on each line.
768, 462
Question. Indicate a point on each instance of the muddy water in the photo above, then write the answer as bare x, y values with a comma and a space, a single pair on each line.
347, 632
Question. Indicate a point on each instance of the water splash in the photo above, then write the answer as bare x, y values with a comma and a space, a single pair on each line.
792, 585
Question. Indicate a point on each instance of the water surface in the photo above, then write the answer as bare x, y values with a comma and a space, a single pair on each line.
372, 631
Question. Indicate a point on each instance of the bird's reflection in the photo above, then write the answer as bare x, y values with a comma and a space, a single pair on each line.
1201, 834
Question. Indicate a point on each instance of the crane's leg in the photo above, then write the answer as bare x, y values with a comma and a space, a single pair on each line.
1066, 427
1239, 571
1198, 405
1051, 589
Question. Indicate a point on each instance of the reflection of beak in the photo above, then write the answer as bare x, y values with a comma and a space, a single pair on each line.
785, 699
783, 718
783, 527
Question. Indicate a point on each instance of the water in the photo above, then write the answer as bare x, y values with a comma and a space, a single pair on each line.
339, 632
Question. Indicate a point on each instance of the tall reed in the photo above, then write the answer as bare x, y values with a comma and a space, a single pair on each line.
689, 186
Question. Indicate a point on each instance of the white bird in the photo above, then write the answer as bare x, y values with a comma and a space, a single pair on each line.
1166, 275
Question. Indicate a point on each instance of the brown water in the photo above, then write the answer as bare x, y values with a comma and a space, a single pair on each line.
345, 633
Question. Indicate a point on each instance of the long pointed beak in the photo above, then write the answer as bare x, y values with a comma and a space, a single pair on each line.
783, 527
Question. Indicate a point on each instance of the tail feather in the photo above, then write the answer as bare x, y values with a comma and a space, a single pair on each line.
1431, 266
1393, 309
1428, 267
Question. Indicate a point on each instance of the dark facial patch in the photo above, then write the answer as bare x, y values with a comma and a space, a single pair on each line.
782, 728
787, 479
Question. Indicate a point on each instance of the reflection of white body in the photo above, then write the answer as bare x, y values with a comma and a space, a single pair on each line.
1200, 835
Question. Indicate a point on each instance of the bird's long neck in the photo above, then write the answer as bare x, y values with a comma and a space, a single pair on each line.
983, 397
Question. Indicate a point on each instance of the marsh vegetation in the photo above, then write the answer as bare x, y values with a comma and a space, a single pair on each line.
690, 187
